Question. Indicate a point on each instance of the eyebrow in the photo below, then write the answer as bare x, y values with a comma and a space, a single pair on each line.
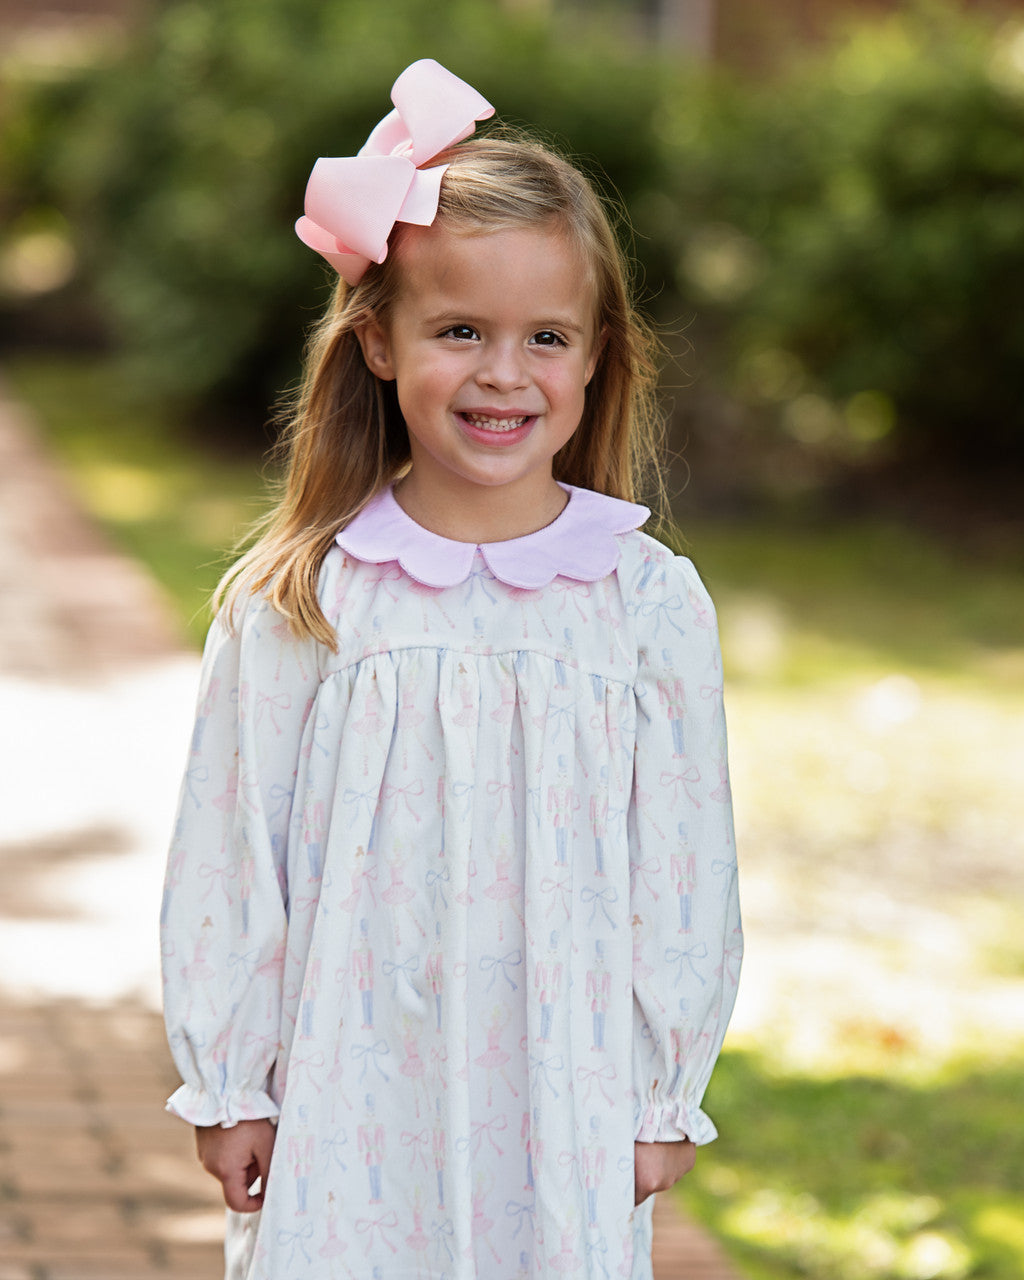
463, 317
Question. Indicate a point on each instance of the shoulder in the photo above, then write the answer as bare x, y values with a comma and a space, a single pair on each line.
245, 615
674, 630
651, 574
250, 628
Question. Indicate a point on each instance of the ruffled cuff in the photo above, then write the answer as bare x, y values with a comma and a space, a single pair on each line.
674, 1122
205, 1109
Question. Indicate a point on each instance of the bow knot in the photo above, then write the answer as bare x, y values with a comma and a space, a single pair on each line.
353, 202
367, 1053
521, 1212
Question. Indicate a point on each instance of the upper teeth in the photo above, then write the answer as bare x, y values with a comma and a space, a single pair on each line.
494, 424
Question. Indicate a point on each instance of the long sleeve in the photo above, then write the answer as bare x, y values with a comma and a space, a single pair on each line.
687, 940
225, 908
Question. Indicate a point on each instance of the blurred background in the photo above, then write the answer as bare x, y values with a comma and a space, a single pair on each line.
826, 202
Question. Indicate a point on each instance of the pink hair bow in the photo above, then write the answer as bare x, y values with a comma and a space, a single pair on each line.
353, 202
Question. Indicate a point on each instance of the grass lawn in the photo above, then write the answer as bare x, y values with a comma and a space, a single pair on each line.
871, 1095
863, 1176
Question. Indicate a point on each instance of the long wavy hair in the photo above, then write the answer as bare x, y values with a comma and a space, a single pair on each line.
344, 439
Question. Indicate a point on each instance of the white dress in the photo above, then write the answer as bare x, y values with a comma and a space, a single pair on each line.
457, 904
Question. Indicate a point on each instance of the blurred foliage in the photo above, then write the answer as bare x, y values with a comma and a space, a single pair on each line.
182, 164
854, 235
843, 242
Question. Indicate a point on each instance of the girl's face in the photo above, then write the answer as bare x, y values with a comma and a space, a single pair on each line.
491, 342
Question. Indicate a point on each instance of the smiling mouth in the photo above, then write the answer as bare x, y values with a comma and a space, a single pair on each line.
485, 423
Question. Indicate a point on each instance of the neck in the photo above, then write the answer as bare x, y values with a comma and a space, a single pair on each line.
469, 513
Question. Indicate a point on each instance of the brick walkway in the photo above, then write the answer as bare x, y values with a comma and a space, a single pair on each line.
96, 1181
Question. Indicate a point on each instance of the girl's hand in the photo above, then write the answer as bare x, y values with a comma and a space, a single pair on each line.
659, 1165
236, 1158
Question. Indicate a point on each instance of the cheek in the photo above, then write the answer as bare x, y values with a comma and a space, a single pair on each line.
432, 376
569, 389
421, 385
570, 399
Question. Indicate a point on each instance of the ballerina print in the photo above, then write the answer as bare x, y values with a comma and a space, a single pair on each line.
364, 875
399, 894
466, 716
565, 1260
465, 896
505, 713
504, 890
226, 803
282, 633
481, 1223
333, 1248
430, 596
337, 1071
199, 973
494, 1058
369, 725
417, 1239
412, 1065
526, 597
410, 718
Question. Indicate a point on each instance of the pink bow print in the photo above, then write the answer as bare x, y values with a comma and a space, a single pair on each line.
353, 202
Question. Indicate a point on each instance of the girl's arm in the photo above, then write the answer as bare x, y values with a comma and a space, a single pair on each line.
225, 906
685, 908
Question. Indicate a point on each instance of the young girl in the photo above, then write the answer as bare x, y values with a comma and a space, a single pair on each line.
451, 928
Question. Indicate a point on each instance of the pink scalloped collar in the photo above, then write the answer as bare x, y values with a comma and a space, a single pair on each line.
580, 544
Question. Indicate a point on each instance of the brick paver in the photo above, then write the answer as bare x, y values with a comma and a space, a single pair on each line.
97, 1182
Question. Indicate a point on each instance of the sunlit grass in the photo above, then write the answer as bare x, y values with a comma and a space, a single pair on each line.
871, 1103
876, 1177
807, 604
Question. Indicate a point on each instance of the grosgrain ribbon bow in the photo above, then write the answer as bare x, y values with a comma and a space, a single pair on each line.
353, 202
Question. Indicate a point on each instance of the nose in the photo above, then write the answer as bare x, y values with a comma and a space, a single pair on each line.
503, 367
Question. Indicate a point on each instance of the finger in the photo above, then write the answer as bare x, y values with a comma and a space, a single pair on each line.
644, 1183
236, 1179
235, 1185
647, 1187
259, 1166
263, 1150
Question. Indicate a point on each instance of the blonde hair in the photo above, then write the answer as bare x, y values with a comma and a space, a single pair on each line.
344, 439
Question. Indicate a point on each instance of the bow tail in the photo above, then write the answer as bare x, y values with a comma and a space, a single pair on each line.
420, 204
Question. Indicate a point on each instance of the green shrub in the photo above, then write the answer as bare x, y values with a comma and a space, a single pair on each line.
183, 164
843, 243
855, 231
